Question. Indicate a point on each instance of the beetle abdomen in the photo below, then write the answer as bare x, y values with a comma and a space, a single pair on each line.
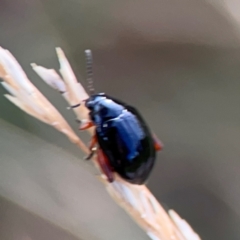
128, 147
129, 135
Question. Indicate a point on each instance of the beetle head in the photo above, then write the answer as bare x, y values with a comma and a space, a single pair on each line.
102, 108
93, 101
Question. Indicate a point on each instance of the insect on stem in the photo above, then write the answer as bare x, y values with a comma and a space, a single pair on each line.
89, 62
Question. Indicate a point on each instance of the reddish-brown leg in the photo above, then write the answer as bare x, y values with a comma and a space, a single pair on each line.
85, 124
157, 143
105, 165
93, 142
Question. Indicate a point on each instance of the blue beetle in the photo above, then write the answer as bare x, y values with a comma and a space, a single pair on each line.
124, 142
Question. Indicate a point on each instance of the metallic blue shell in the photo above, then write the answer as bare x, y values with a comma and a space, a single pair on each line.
123, 136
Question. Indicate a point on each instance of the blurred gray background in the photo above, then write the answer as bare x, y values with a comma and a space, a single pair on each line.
178, 61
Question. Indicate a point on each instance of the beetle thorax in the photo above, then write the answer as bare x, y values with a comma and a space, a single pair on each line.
103, 109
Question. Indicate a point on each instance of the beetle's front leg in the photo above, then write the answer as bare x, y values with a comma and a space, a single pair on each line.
85, 124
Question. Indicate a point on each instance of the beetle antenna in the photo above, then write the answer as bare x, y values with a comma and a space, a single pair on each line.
89, 70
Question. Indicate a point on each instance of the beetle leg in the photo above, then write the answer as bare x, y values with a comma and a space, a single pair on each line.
91, 147
157, 143
105, 165
75, 105
85, 124
90, 155
93, 142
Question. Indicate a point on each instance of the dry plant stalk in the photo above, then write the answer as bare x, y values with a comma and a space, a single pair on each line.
137, 200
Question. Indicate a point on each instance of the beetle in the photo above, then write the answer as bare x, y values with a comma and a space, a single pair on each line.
122, 140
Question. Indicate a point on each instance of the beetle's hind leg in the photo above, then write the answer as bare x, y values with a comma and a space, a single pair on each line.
101, 159
105, 165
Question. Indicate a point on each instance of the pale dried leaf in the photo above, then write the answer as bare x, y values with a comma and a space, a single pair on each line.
76, 91
33, 101
185, 228
11, 65
138, 201
51, 77
24, 108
